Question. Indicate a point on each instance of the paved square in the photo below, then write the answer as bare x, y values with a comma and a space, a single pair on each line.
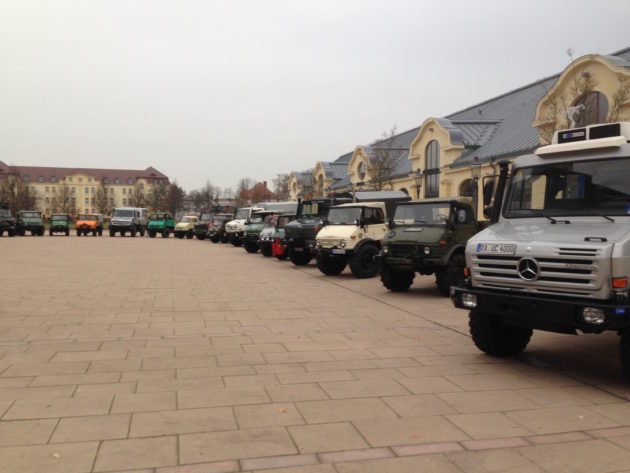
171, 356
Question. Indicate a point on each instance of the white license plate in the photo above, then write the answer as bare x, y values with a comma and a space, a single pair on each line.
337, 251
496, 248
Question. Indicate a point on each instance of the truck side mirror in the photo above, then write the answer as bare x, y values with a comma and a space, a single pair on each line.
488, 191
390, 222
361, 222
487, 211
461, 216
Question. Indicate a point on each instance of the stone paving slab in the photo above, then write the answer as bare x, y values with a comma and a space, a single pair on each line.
187, 357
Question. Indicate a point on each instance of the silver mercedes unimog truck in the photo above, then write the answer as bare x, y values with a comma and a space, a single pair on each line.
556, 256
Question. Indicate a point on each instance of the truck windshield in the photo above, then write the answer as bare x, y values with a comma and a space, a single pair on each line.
188, 219
59, 218
4, 213
429, 213
344, 215
158, 216
87, 217
30, 215
600, 187
313, 209
241, 213
123, 213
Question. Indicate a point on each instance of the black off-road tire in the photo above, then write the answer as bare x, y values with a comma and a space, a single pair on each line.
396, 281
93, 233
265, 250
50, 232
236, 241
67, 232
100, 231
283, 256
493, 337
165, 233
21, 232
225, 239
251, 247
624, 352
331, 266
151, 233
300, 258
362, 262
451, 275
133, 231
214, 239
190, 234
200, 237
112, 233
142, 231
78, 232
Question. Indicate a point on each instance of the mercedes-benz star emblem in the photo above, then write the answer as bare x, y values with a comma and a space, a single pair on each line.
528, 269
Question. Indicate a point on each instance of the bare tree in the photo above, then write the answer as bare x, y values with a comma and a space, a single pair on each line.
62, 201
281, 185
17, 194
383, 160
158, 197
102, 202
244, 184
175, 198
137, 198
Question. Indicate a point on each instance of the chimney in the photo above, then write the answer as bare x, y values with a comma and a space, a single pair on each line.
265, 183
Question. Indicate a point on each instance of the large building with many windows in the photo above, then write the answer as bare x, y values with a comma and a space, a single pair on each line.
82, 190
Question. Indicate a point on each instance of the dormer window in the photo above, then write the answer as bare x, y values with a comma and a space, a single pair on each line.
25, 177
362, 171
117, 180
53, 179
130, 180
106, 180
40, 179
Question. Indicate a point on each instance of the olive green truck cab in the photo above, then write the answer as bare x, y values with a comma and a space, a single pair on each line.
59, 223
29, 221
427, 237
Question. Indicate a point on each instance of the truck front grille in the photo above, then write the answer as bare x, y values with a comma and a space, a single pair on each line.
574, 271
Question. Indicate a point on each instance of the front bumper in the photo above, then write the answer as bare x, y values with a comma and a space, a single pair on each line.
553, 314
300, 245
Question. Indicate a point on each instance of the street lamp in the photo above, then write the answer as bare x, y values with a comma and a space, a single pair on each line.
417, 180
475, 173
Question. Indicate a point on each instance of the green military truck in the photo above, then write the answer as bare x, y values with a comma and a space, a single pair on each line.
7, 223
29, 221
427, 237
203, 225
253, 226
59, 223
162, 223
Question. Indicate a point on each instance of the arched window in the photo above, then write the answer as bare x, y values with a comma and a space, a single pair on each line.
432, 170
404, 190
362, 171
467, 188
593, 108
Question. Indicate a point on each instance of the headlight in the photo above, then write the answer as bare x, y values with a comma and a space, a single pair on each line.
342, 243
318, 244
385, 249
427, 250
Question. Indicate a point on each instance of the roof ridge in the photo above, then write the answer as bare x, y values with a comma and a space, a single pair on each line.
527, 86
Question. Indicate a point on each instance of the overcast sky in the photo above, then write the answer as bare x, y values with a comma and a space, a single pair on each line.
219, 90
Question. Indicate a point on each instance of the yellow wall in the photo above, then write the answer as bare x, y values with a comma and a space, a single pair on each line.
606, 79
83, 186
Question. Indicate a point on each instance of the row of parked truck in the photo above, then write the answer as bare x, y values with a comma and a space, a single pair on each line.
553, 254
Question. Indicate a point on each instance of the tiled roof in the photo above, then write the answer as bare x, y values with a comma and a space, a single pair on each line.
34, 172
259, 191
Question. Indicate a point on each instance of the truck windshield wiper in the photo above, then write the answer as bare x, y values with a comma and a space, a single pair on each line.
553, 220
